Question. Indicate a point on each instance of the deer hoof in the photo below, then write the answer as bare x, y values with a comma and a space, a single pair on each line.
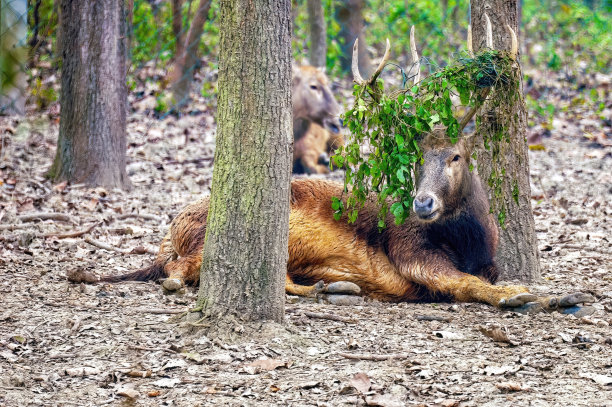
575, 299
518, 300
173, 284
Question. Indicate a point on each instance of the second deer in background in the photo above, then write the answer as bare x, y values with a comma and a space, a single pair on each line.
316, 126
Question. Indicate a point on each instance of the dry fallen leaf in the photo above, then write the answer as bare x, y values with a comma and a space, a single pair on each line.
497, 334
166, 382
597, 378
510, 386
383, 400
266, 364
361, 382
127, 391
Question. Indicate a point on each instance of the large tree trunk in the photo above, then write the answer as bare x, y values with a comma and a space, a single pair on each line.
245, 252
318, 33
93, 99
186, 62
349, 14
517, 256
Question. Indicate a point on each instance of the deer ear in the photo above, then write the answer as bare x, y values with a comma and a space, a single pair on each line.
322, 69
295, 71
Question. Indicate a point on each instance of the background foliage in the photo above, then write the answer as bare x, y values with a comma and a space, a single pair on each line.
573, 37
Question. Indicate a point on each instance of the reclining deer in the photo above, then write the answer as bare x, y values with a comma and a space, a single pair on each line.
444, 250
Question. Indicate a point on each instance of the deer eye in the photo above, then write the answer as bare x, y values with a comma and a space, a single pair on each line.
314, 87
456, 157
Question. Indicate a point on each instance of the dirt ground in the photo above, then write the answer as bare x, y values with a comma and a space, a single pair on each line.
63, 344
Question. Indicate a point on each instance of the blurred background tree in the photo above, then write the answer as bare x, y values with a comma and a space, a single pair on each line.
13, 31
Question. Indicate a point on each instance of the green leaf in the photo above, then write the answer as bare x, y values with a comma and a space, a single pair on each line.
400, 175
397, 209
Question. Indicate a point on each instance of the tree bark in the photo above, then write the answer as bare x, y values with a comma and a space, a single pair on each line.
517, 256
93, 99
349, 14
177, 26
186, 62
245, 251
318, 33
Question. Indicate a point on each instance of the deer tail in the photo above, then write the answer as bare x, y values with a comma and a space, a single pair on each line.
151, 273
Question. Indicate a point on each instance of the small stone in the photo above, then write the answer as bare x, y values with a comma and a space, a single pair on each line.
173, 284
578, 312
343, 287
342, 299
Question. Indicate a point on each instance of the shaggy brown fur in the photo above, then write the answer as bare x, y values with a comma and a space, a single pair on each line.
446, 253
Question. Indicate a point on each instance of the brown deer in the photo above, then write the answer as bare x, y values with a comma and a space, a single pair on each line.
444, 251
316, 126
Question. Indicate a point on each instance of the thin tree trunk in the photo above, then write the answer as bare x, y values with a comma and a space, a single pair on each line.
186, 62
35, 23
349, 14
177, 26
93, 99
245, 252
517, 256
318, 33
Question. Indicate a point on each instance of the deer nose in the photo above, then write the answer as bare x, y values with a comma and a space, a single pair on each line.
423, 205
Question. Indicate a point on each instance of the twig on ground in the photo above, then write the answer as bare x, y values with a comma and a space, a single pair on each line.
137, 347
72, 234
433, 318
158, 311
331, 317
33, 217
106, 246
13, 227
369, 356
146, 216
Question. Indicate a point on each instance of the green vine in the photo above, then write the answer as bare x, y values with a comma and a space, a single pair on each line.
392, 126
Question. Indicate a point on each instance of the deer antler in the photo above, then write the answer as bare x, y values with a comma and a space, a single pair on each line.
485, 91
357, 76
469, 41
415, 56
489, 32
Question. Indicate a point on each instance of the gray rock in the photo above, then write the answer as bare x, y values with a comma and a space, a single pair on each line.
342, 299
343, 287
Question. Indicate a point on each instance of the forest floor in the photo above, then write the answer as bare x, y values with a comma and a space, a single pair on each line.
63, 344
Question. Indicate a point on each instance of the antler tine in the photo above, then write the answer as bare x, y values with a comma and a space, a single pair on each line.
356, 75
415, 56
489, 32
382, 63
469, 41
514, 47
